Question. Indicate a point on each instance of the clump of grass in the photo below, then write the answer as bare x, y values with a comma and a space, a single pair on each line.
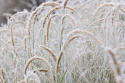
64, 43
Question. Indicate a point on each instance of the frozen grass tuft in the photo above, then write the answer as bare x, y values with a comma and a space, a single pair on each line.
65, 42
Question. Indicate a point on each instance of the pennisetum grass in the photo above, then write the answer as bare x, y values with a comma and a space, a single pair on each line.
34, 58
49, 25
47, 49
64, 42
117, 68
67, 16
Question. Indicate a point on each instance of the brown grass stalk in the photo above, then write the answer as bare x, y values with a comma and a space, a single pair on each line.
119, 48
22, 81
117, 66
120, 21
3, 76
43, 5
65, 3
25, 43
49, 25
1, 80
12, 39
63, 48
95, 22
102, 6
19, 48
34, 58
4, 43
50, 51
44, 40
14, 16
30, 19
83, 32
45, 19
41, 70
53, 4
85, 3
68, 16
122, 10
72, 10
55, 8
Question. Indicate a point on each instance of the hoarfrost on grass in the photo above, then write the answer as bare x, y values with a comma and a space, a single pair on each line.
72, 38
